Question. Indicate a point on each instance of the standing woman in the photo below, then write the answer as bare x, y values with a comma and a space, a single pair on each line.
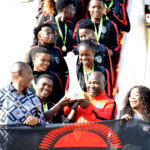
86, 65
48, 12
137, 104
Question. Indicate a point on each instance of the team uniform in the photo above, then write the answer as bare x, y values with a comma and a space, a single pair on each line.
81, 9
57, 92
57, 62
118, 15
102, 57
58, 40
97, 67
109, 35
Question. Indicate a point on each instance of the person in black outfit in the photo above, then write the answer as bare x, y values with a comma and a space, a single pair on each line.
86, 65
116, 12
102, 56
45, 38
47, 12
81, 9
53, 112
63, 29
105, 30
41, 60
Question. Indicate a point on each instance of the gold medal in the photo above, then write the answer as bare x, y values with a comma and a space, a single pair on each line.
64, 48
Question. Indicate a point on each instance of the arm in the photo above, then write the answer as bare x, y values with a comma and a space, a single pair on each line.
126, 117
72, 114
37, 115
114, 38
50, 113
122, 21
108, 64
31, 121
108, 112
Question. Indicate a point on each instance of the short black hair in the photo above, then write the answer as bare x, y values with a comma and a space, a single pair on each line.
37, 29
61, 4
87, 43
86, 24
44, 76
40, 50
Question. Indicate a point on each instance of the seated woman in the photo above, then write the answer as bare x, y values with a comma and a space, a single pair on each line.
137, 104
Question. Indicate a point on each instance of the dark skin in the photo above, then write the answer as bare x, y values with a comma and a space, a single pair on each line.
96, 86
63, 102
96, 9
45, 36
107, 10
21, 80
44, 88
66, 14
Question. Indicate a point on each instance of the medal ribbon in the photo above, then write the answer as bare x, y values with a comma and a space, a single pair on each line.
110, 5
98, 33
34, 86
60, 32
45, 106
87, 74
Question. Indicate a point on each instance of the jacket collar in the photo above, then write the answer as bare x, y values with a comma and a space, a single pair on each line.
11, 88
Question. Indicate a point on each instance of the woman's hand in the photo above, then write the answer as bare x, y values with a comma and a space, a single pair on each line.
31, 121
126, 117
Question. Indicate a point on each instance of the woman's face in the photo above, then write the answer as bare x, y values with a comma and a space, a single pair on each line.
46, 36
134, 99
44, 87
86, 55
96, 9
41, 62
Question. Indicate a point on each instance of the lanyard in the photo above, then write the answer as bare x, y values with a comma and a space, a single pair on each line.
87, 74
98, 33
110, 5
45, 106
34, 86
60, 32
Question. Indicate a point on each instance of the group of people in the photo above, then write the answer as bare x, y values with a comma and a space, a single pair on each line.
92, 30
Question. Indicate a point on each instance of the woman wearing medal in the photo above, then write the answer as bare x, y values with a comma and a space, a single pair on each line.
52, 112
105, 30
63, 28
86, 65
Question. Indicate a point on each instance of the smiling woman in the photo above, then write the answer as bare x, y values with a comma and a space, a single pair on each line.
136, 104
